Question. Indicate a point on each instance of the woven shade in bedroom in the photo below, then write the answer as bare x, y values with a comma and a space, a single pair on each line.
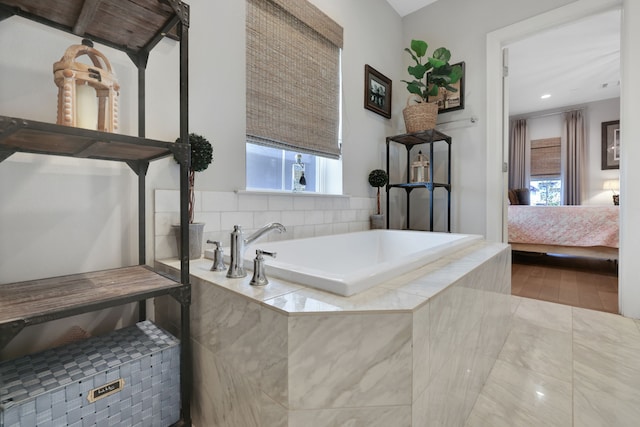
545, 157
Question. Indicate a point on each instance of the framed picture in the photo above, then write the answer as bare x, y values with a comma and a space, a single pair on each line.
451, 101
611, 145
377, 92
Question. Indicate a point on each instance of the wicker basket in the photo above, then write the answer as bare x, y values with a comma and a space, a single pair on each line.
420, 116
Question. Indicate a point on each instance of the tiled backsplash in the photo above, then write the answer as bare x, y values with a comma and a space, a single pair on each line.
304, 215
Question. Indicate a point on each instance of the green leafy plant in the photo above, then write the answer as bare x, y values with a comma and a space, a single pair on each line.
434, 73
201, 158
378, 178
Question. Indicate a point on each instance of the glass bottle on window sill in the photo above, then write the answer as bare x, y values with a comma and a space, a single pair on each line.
299, 182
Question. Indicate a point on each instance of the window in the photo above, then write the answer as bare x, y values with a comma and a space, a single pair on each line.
270, 169
546, 183
293, 95
545, 191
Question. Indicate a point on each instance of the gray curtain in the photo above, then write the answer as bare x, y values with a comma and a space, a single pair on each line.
517, 153
576, 145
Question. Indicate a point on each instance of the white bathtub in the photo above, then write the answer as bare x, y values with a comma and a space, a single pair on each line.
346, 264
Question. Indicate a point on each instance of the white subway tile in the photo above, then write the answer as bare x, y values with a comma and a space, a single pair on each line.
363, 215
303, 231
211, 220
229, 219
324, 203
261, 218
340, 228
313, 217
323, 229
280, 203
332, 217
341, 203
219, 201
304, 203
253, 202
292, 218
348, 215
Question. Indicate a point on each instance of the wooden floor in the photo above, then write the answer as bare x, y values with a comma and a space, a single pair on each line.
580, 282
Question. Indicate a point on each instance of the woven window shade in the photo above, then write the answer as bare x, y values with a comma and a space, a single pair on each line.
545, 158
293, 53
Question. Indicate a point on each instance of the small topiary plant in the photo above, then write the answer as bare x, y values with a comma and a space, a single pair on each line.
378, 178
201, 158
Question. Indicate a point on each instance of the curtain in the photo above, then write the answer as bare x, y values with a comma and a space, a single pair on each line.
293, 77
576, 146
518, 154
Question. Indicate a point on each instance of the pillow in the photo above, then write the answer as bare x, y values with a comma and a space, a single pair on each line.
523, 196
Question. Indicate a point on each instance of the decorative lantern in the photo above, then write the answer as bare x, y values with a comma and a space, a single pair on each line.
87, 95
420, 168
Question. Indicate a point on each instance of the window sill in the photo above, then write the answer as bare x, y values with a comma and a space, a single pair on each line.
288, 193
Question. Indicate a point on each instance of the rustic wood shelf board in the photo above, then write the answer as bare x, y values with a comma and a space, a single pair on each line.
45, 299
128, 25
427, 136
30, 136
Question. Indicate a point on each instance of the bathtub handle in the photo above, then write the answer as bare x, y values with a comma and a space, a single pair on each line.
259, 277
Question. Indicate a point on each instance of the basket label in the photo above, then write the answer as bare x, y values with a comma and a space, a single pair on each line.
105, 390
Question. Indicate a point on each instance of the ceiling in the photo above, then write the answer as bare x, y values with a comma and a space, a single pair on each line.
575, 63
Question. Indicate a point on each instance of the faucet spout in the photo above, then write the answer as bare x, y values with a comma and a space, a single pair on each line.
238, 243
268, 228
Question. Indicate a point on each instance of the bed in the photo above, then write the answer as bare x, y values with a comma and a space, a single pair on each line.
589, 231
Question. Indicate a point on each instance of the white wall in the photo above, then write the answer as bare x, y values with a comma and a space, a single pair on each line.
62, 216
629, 288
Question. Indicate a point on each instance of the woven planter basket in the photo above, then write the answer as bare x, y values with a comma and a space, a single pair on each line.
420, 116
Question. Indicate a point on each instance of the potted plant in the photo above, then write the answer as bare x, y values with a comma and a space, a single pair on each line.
201, 158
430, 77
378, 178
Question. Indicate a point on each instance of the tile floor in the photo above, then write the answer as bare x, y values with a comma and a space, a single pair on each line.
563, 366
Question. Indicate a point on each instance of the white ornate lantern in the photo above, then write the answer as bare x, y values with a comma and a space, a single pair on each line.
420, 168
87, 95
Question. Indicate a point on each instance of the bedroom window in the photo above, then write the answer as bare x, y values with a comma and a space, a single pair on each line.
546, 182
545, 191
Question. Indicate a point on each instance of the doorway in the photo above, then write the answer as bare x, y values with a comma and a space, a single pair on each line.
498, 107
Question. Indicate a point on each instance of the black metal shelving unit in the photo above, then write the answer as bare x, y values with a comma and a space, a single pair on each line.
409, 141
134, 27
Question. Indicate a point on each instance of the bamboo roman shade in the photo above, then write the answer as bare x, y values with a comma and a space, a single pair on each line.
545, 158
293, 81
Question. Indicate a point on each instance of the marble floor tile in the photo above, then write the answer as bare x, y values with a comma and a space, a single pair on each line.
545, 314
563, 366
516, 396
539, 349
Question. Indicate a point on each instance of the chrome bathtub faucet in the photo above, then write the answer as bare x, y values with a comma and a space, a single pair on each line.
238, 243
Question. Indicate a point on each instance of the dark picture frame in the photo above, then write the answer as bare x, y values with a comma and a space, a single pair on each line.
611, 145
451, 101
377, 92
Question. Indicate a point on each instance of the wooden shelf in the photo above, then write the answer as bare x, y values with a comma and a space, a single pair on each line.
29, 136
29, 303
132, 26
424, 137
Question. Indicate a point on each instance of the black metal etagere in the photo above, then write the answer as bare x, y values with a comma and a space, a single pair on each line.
409, 141
134, 27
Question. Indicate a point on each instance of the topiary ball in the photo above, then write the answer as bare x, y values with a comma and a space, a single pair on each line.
201, 152
378, 178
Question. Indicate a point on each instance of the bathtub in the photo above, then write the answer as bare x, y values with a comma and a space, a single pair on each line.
346, 264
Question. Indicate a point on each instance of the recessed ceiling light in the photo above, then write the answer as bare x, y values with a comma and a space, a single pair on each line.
545, 96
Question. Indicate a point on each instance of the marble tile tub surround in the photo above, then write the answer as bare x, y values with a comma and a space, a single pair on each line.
563, 366
304, 215
413, 351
